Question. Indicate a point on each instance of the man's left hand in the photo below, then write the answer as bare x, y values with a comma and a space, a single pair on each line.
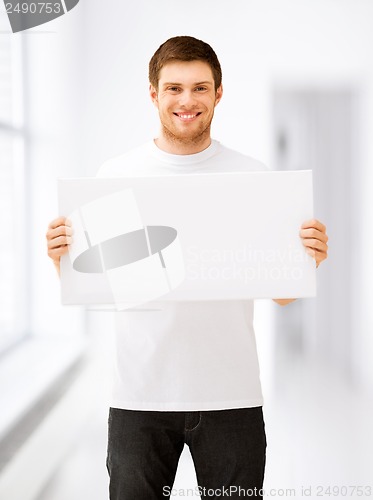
314, 238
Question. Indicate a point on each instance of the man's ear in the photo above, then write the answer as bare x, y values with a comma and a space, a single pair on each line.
153, 95
219, 94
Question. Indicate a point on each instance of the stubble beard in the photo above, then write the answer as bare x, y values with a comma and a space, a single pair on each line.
197, 138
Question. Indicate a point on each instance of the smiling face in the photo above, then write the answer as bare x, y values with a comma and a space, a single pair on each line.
186, 99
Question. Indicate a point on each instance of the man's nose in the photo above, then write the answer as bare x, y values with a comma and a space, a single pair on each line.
187, 98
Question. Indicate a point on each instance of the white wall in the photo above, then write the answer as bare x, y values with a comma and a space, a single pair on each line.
52, 97
256, 41
260, 43
88, 100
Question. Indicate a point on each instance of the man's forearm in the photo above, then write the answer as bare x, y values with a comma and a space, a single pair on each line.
283, 302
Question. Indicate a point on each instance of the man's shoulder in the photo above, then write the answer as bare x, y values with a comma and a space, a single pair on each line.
127, 160
239, 160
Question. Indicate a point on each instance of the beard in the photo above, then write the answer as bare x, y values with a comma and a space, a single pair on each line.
195, 137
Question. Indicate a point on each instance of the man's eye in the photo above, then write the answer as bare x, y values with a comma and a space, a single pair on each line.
174, 89
200, 89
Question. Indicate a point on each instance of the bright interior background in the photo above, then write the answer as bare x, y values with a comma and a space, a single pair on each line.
298, 83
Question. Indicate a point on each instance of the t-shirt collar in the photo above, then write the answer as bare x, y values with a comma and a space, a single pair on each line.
184, 159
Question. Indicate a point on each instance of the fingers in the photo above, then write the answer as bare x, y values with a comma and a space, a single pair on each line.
315, 246
60, 221
59, 236
315, 224
58, 232
58, 242
313, 233
56, 253
316, 243
314, 238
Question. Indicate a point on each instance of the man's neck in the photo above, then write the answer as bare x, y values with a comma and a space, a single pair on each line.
182, 148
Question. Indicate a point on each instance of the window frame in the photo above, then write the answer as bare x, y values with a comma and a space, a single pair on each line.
13, 131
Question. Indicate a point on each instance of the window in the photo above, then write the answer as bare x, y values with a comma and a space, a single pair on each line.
13, 278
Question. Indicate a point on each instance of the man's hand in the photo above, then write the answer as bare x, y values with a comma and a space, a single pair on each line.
314, 238
59, 236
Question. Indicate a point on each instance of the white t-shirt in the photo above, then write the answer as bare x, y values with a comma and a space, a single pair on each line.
185, 356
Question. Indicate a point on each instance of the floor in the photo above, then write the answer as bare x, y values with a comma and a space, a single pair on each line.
319, 433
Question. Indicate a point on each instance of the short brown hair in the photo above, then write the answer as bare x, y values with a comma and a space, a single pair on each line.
184, 48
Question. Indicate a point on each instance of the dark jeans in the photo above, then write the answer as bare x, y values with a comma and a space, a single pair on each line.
227, 446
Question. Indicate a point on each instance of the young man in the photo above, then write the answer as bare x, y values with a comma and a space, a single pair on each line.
188, 372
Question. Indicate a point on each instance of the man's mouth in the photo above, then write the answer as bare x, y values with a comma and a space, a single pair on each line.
187, 117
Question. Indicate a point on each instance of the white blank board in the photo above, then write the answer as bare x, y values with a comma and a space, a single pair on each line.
237, 235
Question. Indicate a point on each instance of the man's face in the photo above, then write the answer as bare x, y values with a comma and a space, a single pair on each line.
186, 99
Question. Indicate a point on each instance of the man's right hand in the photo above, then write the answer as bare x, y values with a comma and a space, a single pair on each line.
59, 236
